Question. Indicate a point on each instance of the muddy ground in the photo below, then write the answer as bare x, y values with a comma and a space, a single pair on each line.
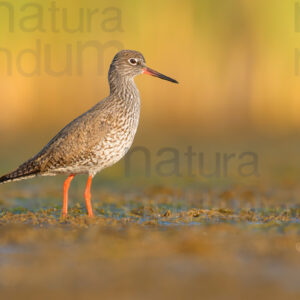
154, 243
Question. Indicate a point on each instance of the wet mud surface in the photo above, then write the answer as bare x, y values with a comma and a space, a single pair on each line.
159, 243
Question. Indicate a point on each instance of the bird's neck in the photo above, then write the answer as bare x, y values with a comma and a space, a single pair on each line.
122, 87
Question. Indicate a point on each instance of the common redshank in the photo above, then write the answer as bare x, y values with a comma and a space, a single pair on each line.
98, 138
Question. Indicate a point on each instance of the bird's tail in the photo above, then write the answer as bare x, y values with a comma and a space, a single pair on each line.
27, 170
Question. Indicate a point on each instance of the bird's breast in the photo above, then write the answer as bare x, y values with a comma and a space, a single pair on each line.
119, 137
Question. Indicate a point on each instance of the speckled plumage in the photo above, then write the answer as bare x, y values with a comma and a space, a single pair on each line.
98, 138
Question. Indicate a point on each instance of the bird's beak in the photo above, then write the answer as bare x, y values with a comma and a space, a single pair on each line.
154, 73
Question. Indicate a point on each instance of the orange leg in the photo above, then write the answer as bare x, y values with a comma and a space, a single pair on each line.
87, 195
66, 189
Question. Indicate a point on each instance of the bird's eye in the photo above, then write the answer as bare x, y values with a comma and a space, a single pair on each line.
133, 61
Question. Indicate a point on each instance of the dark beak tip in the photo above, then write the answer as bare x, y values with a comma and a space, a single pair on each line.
174, 81
170, 80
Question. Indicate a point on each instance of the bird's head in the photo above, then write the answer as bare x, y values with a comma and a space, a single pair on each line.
130, 63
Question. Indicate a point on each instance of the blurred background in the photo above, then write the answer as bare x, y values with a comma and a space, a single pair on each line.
208, 204
236, 61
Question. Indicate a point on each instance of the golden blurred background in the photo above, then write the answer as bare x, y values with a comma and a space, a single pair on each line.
236, 62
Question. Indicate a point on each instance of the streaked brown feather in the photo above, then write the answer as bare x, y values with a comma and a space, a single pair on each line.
97, 138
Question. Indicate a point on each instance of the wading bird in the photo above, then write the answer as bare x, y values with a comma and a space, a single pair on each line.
98, 138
